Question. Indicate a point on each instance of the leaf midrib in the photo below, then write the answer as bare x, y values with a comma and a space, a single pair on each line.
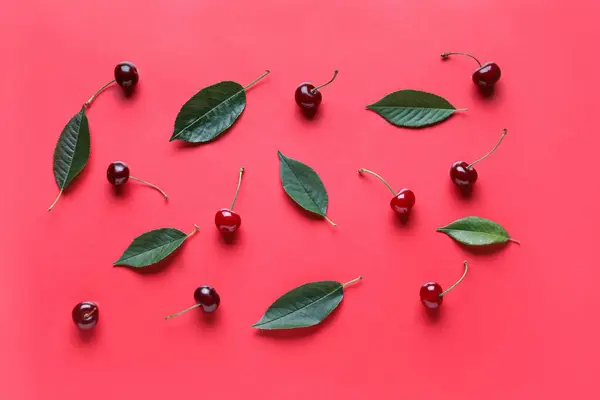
481, 232
70, 163
208, 112
149, 250
302, 308
372, 107
301, 184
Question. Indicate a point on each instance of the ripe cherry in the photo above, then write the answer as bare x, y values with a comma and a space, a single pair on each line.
126, 76
308, 96
464, 175
486, 75
85, 315
402, 202
205, 297
227, 220
118, 174
432, 295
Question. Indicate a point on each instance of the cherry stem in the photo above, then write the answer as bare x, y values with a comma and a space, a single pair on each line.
183, 311
196, 227
267, 72
314, 90
55, 201
87, 103
87, 315
353, 281
238, 188
361, 170
458, 281
445, 55
151, 185
504, 132
330, 221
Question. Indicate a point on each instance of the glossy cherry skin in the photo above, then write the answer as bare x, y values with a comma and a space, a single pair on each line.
207, 297
117, 173
306, 99
463, 176
487, 75
126, 75
85, 315
430, 295
403, 202
227, 221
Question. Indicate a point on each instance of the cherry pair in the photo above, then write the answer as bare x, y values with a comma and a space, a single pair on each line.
486, 76
432, 295
308, 96
126, 76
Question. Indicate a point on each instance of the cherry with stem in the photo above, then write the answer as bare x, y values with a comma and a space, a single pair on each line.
464, 175
308, 97
126, 76
402, 202
432, 295
485, 76
205, 297
228, 221
118, 174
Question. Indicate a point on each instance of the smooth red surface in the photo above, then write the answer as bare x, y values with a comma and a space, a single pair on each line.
522, 325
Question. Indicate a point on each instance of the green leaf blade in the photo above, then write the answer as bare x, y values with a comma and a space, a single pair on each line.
303, 185
209, 112
304, 306
413, 108
72, 150
476, 231
151, 247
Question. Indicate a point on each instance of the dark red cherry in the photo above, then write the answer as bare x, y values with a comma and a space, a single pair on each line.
403, 202
207, 297
85, 315
306, 99
117, 173
487, 75
126, 75
430, 294
227, 221
462, 175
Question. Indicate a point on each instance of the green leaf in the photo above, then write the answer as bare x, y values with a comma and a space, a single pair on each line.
151, 247
306, 305
476, 231
413, 108
303, 185
209, 112
72, 151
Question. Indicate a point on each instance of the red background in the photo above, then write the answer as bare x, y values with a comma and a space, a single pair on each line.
523, 325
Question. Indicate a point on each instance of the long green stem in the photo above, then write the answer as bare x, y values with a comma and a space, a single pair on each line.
445, 55
267, 72
352, 281
183, 311
238, 188
504, 132
152, 185
378, 177
55, 201
314, 90
458, 281
87, 103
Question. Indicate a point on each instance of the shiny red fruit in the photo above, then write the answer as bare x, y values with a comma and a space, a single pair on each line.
306, 99
227, 221
403, 202
117, 173
430, 295
487, 75
126, 75
207, 297
463, 176
85, 315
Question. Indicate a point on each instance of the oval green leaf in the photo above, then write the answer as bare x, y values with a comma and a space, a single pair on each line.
306, 305
303, 185
72, 151
152, 247
209, 112
476, 231
413, 108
